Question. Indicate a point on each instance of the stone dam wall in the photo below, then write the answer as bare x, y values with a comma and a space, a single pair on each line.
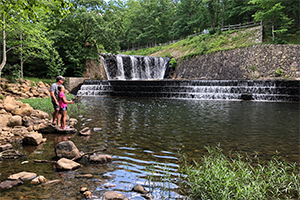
258, 62
249, 63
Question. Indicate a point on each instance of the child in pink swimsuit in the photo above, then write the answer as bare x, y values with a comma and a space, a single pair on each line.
63, 104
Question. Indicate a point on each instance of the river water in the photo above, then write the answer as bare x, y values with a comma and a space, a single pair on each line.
146, 138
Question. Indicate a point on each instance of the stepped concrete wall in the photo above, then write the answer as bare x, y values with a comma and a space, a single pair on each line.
255, 62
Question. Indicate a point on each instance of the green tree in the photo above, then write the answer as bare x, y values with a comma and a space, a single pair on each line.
187, 18
148, 22
236, 11
272, 12
19, 18
84, 33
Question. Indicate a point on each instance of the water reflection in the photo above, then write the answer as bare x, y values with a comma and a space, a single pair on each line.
146, 136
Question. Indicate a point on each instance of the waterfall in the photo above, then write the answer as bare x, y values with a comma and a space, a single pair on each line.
259, 90
124, 67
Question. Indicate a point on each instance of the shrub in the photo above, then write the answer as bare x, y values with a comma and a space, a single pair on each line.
221, 177
173, 62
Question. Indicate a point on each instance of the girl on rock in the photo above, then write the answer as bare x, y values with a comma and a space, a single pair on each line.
63, 104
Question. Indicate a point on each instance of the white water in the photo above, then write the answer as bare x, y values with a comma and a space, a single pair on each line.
123, 67
121, 72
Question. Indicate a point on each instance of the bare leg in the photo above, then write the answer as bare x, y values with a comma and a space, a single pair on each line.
64, 116
58, 119
54, 115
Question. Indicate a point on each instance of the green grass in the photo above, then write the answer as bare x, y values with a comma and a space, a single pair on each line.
44, 80
202, 44
221, 177
44, 104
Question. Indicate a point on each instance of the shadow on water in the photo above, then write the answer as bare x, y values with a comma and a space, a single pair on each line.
145, 136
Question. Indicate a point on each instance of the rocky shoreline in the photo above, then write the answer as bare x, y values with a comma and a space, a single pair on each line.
20, 122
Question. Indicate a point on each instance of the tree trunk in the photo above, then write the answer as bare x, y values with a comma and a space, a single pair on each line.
21, 64
4, 46
273, 36
223, 14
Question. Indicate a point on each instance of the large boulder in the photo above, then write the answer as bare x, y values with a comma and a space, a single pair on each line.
9, 100
4, 119
24, 110
28, 121
33, 138
111, 195
19, 130
67, 164
67, 149
10, 107
49, 128
39, 114
2, 111
15, 121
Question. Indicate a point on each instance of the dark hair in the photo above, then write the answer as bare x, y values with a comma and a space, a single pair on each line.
59, 78
60, 87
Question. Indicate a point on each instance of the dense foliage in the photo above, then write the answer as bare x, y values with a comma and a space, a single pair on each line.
51, 37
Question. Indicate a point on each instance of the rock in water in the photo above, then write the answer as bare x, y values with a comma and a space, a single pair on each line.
111, 195
100, 158
139, 189
24, 176
85, 132
67, 149
33, 138
67, 164
9, 184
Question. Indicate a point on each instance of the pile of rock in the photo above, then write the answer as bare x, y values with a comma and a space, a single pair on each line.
25, 89
19, 119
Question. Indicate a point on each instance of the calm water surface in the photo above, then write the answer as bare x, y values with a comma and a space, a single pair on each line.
147, 136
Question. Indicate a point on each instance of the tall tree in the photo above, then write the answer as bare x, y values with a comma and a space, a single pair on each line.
84, 32
273, 12
17, 14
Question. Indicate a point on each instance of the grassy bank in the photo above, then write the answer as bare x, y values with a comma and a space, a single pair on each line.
236, 177
202, 44
45, 105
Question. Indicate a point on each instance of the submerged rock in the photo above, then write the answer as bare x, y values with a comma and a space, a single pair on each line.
100, 158
9, 184
111, 195
85, 132
84, 176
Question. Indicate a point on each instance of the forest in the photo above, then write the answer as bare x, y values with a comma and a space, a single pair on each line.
46, 38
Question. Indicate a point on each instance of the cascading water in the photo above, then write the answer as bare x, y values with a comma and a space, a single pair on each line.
196, 89
144, 76
124, 67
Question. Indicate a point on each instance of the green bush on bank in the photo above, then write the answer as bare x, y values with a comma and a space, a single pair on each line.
220, 177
